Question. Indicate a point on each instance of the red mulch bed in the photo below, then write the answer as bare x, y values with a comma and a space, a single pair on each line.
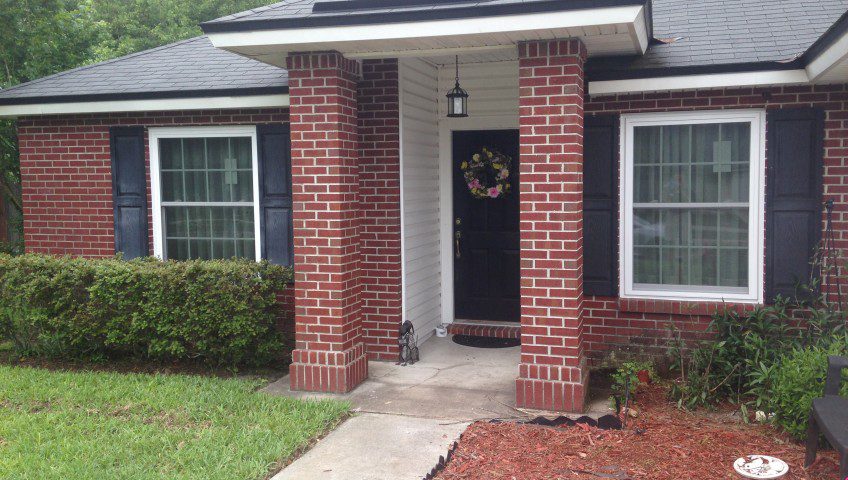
663, 443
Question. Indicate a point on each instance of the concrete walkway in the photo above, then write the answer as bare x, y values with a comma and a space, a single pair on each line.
406, 417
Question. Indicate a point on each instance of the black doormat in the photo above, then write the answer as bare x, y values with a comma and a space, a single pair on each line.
486, 342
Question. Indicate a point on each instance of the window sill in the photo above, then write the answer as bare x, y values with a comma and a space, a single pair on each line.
680, 307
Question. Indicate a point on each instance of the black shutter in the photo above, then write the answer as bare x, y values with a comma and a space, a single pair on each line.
793, 197
600, 205
275, 198
129, 191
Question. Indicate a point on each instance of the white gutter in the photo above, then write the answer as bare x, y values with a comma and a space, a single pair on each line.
695, 82
168, 104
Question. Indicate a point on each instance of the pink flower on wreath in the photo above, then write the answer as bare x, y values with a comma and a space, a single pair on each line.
475, 184
493, 192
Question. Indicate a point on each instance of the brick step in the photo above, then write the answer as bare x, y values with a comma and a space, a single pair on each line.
510, 330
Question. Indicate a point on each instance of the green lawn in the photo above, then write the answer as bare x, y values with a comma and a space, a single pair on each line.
118, 426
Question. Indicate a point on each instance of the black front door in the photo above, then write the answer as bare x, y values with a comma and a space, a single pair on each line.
486, 239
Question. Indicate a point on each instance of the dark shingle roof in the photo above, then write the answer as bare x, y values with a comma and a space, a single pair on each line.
188, 68
725, 32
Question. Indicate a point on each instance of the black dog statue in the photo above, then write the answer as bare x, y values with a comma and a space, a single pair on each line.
408, 354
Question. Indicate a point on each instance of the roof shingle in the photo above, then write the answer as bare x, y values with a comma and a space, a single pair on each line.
737, 31
191, 66
705, 33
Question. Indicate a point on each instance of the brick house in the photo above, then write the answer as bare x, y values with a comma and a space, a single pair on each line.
654, 160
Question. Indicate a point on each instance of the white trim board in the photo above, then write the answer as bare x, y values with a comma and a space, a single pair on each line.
356, 40
401, 151
695, 82
756, 204
155, 105
155, 133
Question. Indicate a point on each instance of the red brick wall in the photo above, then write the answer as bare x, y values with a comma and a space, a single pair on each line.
66, 174
379, 197
68, 203
551, 374
636, 328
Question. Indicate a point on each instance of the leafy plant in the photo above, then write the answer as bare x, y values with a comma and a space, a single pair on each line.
796, 381
733, 365
626, 377
219, 312
771, 358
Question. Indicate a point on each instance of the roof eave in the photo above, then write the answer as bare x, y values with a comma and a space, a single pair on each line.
618, 27
260, 97
347, 19
827, 59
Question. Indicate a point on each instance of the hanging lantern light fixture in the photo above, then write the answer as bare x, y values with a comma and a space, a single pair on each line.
457, 98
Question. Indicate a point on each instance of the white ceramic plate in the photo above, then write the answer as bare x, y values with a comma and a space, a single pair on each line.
760, 466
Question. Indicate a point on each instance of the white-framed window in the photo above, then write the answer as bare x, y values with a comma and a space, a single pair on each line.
692, 188
205, 189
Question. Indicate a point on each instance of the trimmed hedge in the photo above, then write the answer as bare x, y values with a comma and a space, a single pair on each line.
221, 312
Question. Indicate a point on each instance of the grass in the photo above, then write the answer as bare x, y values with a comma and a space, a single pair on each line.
96, 425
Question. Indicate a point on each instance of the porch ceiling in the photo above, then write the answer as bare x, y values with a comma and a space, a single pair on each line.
619, 30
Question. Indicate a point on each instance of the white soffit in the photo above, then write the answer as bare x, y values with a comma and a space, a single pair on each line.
151, 105
694, 82
605, 31
831, 65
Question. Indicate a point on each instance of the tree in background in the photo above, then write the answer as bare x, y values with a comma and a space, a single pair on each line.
43, 37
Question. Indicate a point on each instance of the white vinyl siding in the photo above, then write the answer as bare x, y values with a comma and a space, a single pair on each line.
493, 88
420, 195
692, 215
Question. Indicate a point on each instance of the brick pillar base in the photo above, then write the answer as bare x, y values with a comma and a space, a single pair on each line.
560, 389
330, 353
332, 372
552, 374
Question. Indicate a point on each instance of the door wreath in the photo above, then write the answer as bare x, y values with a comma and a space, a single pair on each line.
487, 174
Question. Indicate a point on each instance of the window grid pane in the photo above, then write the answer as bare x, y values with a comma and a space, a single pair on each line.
691, 205
207, 197
206, 170
209, 232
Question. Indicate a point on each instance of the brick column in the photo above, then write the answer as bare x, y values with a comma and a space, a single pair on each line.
379, 197
552, 374
329, 354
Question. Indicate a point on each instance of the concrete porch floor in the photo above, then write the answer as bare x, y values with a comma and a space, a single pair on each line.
451, 382
406, 417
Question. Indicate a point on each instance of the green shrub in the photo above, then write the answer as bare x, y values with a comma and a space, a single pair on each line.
798, 379
222, 312
731, 365
740, 362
